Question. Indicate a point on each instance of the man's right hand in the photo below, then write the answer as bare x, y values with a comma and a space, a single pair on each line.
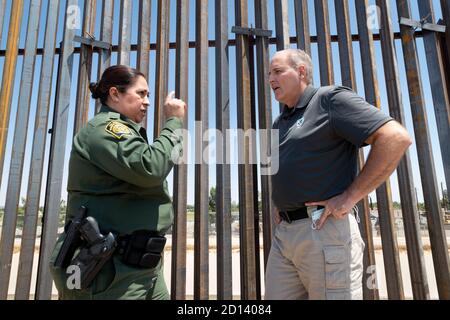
174, 107
277, 217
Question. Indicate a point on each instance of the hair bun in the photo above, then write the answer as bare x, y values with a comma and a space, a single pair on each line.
93, 87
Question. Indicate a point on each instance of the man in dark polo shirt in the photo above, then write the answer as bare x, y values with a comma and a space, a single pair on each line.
313, 255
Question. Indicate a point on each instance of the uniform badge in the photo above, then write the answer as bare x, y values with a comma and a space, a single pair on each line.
300, 122
118, 129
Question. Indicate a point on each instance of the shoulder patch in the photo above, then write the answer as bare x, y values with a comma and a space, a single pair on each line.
117, 129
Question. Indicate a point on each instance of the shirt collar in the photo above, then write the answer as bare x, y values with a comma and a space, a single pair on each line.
305, 98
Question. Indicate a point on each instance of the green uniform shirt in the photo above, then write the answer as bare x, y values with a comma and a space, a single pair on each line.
119, 177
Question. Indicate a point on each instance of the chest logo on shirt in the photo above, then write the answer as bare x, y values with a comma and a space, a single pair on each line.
300, 122
117, 129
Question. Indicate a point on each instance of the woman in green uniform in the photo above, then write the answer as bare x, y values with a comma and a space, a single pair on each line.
120, 179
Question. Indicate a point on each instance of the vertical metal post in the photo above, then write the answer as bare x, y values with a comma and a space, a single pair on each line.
143, 46
18, 150
56, 162
282, 28
125, 32
9, 69
282, 24
254, 167
246, 202
178, 281
106, 26
410, 213
223, 189
438, 82
265, 121
441, 108
373, 97
324, 42
162, 63
349, 80
37, 156
84, 67
445, 48
2, 16
302, 25
201, 240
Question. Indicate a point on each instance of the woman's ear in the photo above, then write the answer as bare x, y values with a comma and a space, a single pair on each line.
114, 94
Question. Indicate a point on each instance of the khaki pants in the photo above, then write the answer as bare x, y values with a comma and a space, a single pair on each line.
315, 264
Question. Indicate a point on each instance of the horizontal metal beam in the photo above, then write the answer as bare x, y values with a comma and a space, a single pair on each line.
212, 43
422, 25
92, 42
257, 32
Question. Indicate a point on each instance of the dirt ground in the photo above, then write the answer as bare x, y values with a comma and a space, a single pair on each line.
381, 281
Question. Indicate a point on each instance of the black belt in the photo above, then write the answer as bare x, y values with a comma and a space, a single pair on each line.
301, 213
142, 248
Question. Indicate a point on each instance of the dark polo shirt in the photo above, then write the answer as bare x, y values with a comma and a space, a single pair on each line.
318, 144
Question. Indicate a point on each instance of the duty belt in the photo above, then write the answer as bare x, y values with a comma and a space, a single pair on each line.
141, 249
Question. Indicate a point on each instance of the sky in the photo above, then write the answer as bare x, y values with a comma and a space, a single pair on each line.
211, 86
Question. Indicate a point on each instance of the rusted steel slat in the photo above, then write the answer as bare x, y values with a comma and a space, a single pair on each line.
345, 44
125, 32
441, 109
9, 69
254, 168
389, 241
384, 198
85, 67
246, 203
393, 277
349, 80
104, 60
178, 280
201, 237
143, 47
265, 122
18, 150
373, 97
162, 63
302, 25
281, 28
324, 42
37, 156
445, 47
223, 189
56, 162
438, 81
411, 221
2, 16
281, 24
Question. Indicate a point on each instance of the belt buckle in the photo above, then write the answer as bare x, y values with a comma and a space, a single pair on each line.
284, 215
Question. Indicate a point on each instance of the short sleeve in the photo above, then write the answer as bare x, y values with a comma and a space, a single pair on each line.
353, 118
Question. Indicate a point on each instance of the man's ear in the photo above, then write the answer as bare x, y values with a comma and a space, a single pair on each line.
302, 71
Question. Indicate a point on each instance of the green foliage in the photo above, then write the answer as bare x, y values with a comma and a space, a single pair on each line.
21, 214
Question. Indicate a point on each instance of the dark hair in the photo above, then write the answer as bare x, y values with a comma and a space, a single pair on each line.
120, 76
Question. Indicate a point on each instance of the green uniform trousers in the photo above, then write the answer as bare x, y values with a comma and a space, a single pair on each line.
115, 281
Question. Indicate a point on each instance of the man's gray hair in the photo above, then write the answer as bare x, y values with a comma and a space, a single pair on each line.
299, 57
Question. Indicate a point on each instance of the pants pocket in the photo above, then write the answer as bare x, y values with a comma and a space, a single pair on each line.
336, 268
